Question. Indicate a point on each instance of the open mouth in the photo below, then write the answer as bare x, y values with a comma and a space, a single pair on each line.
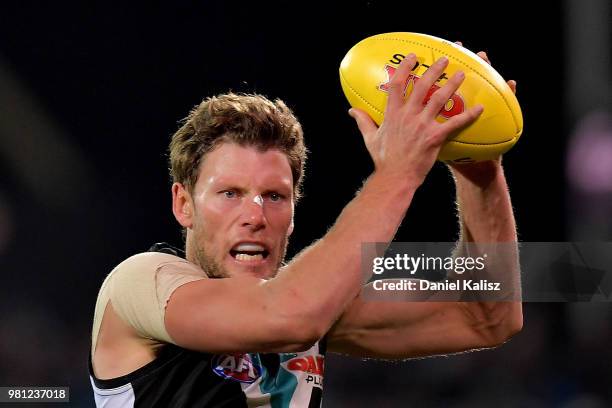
249, 252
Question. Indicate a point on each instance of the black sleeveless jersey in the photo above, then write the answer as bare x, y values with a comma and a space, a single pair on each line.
183, 378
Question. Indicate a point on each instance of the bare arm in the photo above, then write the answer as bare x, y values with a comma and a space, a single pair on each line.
486, 216
415, 329
299, 306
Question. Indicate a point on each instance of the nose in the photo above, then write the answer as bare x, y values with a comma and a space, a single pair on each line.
253, 214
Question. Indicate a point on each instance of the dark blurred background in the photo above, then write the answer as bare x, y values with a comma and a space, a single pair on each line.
91, 93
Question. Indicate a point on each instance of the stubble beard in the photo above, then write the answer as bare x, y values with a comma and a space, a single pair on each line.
208, 264
215, 270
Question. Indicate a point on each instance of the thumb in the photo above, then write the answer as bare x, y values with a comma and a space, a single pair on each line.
365, 123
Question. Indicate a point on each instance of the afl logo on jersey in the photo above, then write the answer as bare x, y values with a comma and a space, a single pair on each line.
237, 367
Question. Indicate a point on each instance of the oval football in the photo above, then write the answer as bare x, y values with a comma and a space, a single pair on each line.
367, 67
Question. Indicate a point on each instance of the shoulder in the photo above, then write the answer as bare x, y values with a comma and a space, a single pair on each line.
147, 264
140, 286
147, 260
148, 273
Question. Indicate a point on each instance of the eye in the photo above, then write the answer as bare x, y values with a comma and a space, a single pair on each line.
275, 197
229, 193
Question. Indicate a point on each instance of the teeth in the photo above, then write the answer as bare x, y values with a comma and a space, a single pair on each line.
247, 257
249, 247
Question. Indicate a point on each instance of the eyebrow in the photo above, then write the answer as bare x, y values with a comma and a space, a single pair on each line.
276, 185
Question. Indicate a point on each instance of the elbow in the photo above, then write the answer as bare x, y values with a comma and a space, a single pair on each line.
502, 323
299, 334
308, 340
300, 322
510, 325
508, 329
314, 332
515, 321
309, 327
298, 326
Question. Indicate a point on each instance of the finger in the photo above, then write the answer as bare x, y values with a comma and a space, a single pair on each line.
439, 98
462, 120
484, 56
459, 43
365, 123
422, 86
397, 84
512, 85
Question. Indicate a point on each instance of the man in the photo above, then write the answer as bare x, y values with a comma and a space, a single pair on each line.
228, 325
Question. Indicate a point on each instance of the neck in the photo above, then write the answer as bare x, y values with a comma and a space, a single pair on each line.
190, 252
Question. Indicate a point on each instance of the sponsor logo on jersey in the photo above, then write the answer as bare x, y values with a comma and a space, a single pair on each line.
237, 367
312, 365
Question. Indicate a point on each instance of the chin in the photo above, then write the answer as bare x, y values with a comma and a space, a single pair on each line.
259, 273
261, 269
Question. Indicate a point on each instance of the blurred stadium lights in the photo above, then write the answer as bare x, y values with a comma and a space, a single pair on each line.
589, 54
36, 150
588, 111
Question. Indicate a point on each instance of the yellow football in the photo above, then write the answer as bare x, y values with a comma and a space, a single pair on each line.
367, 67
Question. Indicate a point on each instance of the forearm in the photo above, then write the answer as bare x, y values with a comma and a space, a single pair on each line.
484, 206
486, 217
327, 275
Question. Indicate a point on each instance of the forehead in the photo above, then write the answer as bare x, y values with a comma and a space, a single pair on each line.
232, 163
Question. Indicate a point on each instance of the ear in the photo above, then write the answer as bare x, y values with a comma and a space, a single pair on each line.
290, 230
292, 225
182, 205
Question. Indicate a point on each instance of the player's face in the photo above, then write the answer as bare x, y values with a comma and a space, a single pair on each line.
243, 211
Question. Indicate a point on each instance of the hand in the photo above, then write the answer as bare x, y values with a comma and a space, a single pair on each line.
480, 173
511, 83
409, 139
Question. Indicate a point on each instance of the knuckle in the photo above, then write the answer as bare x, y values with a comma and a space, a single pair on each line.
435, 69
438, 135
421, 124
422, 86
396, 83
421, 120
455, 122
440, 97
